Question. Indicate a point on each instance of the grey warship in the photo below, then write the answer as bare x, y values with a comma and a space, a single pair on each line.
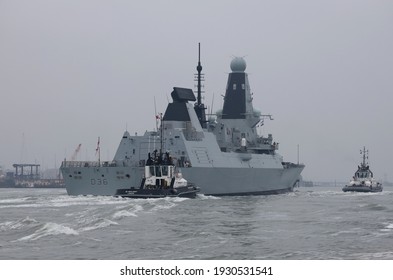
222, 155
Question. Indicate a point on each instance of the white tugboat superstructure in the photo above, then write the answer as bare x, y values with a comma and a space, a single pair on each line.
363, 179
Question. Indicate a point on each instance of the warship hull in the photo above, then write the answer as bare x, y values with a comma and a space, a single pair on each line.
243, 181
212, 181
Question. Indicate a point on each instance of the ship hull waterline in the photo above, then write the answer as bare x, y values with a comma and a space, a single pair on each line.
364, 189
211, 181
184, 192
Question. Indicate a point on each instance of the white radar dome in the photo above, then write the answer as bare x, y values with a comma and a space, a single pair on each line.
238, 64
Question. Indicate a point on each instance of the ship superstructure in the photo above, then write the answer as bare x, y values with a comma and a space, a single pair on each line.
222, 155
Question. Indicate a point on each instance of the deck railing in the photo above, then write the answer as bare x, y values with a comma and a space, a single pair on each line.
87, 164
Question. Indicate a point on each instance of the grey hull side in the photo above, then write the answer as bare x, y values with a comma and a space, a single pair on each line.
242, 181
211, 181
100, 180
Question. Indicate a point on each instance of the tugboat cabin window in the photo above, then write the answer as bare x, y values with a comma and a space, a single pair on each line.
362, 174
155, 171
158, 171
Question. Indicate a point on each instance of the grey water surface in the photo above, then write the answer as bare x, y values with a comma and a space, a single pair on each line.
310, 223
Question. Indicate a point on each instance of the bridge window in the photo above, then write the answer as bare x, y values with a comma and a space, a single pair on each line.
158, 171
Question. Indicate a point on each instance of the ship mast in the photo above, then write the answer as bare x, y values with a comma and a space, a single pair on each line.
199, 69
161, 133
364, 155
199, 106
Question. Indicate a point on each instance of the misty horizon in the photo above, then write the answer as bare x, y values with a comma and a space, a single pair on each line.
74, 71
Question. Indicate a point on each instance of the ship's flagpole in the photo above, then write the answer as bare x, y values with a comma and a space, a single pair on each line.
98, 150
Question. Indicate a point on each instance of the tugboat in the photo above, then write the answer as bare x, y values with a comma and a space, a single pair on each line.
160, 180
363, 180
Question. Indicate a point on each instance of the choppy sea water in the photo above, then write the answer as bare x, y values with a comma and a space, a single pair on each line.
310, 223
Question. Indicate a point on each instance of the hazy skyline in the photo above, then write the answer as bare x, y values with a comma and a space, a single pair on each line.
72, 71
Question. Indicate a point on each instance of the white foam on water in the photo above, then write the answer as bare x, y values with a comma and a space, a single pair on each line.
166, 205
61, 201
66, 201
202, 196
176, 199
345, 232
128, 212
387, 227
99, 223
31, 205
388, 255
325, 193
13, 200
49, 229
124, 213
12, 225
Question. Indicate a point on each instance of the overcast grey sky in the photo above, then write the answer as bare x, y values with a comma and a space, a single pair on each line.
73, 70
